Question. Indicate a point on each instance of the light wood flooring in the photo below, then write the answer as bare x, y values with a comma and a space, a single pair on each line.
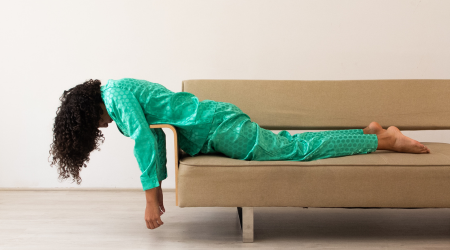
66, 220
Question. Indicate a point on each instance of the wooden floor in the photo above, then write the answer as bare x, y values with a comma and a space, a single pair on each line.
66, 220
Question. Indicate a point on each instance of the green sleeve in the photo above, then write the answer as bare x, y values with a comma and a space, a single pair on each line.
161, 140
128, 113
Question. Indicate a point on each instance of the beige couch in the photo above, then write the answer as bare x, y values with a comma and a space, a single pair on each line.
379, 179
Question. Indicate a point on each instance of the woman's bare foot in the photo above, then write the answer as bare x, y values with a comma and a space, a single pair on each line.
393, 139
373, 128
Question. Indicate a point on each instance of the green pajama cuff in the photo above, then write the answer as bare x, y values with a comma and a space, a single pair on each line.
162, 177
373, 143
149, 183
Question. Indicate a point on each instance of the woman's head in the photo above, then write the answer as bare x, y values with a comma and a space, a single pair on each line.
76, 129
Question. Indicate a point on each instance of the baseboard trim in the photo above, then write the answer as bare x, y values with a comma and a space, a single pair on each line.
79, 189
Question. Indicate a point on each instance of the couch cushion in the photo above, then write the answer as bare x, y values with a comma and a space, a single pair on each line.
379, 179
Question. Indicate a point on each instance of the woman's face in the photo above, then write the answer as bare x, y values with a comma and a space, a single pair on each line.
105, 118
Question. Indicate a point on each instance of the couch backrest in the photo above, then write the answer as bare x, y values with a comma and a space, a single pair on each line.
328, 104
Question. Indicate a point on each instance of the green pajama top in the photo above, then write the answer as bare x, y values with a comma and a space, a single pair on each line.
135, 104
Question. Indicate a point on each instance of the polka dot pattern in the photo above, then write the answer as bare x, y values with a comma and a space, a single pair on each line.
236, 136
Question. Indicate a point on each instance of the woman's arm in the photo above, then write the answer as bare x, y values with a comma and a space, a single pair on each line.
162, 154
128, 110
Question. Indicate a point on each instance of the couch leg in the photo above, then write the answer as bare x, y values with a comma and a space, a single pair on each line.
246, 220
239, 209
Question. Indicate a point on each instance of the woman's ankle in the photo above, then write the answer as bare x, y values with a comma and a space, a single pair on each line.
386, 141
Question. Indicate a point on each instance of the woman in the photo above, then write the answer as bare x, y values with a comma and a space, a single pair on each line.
202, 127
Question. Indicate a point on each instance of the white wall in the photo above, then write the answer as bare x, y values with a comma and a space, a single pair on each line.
50, 46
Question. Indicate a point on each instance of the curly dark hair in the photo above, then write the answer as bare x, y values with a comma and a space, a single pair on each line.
75, 131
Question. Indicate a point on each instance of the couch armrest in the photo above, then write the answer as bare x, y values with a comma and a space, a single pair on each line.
176, 152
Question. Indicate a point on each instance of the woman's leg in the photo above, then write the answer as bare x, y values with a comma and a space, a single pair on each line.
312, 145
373, 128
238, 137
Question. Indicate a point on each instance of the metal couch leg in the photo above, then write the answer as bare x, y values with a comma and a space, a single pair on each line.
246, 220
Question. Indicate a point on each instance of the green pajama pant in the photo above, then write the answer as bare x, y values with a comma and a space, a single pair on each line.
236, 136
